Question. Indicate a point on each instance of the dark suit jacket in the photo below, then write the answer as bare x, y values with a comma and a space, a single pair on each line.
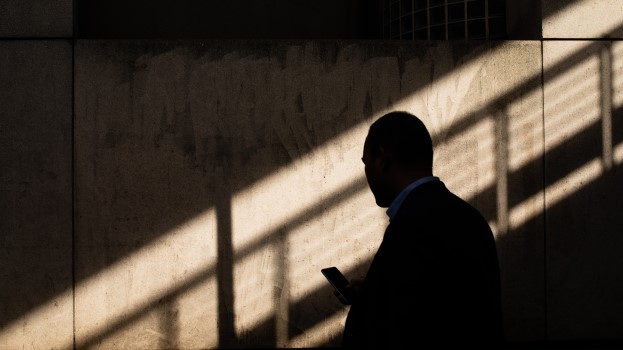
434, 279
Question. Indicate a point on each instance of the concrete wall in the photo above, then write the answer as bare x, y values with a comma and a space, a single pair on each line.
583, 124
36, 252
35, 191
201, 185
225, 176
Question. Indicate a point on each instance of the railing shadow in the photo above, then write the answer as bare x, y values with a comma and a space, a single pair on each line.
585, 146
123, 178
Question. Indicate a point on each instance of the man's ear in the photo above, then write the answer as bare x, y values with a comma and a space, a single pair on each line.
383, 158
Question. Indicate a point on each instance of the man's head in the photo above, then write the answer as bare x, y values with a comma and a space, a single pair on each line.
398, 150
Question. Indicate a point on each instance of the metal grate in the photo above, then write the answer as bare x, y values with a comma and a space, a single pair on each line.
443, 19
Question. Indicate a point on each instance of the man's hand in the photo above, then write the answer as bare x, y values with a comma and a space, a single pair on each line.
354, 283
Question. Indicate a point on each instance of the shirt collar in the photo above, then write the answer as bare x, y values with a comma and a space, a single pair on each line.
397, 202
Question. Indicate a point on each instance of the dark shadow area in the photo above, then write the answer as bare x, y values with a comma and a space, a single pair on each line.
524, 19
550, 8
224, 270
236, 19
35, 172
565, 344
248, 19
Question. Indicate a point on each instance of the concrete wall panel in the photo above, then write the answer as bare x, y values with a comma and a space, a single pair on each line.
582, 19
35, 194
214, 180
583, 139
36, 18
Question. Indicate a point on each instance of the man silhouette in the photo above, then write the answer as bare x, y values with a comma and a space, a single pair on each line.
434, 279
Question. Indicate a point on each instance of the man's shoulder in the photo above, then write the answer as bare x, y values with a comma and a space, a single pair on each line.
434, 202
429, 195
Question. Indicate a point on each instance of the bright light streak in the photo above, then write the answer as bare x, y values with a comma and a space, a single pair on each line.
568, 104
287, 193
494, 228
578, 179
129, 286
556, 53
254, 287
617, 74
618, 154
525, 211
197, 314
525, 130
584, 19
287, 200
133, 283
51, 323
567, 111
356, 230
444, 101
556, 192
466, 162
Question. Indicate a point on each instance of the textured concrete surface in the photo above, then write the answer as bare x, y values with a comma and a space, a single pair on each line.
214, 180
35, 18
35, 194
582, 19
584, 153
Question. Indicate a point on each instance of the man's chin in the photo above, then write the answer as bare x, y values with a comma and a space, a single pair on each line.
382, 203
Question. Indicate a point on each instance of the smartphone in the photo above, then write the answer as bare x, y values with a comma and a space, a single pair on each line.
339, 282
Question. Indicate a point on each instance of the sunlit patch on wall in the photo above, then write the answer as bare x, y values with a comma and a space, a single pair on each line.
617, 74
574, 181
494, 228
587, 19
254, 287
273, 202
525, 211
573, 100
196, 316
280, 226
444, 102
159, 274
173, 276
525, 130
618, 154
355, 229
44, 321
466, 162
